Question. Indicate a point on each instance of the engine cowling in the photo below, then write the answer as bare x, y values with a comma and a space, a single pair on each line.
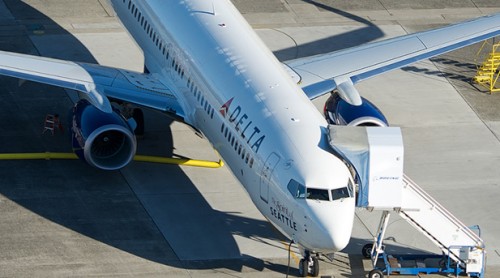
103, 140
338, 112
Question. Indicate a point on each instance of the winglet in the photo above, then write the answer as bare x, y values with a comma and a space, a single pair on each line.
347, 91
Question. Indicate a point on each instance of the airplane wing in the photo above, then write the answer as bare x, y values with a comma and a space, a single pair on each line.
342, 69
95, 81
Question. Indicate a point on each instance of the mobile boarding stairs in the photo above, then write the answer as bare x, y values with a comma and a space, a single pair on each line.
376, 154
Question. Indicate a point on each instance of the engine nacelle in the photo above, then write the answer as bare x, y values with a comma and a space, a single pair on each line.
103, 140
339, 112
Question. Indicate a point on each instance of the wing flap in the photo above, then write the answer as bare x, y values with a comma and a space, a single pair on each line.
365, 61
356, 59
145, 90
97, 82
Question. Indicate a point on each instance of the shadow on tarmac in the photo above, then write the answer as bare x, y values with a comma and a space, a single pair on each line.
368, 33
97, 204
467, 68
102, 205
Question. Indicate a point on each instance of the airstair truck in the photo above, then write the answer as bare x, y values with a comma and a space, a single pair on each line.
375, 156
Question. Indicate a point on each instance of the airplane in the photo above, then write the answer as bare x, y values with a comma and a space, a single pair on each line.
206, 67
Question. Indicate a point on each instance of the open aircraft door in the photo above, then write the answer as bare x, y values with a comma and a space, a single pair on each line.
265, 177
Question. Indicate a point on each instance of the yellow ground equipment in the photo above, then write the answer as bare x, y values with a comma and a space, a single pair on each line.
488, 72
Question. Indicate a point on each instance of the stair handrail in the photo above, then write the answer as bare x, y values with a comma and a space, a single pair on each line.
436, 205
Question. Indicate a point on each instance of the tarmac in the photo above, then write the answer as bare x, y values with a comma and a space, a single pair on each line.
66, 219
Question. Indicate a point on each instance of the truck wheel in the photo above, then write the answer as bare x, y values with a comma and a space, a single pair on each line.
366, 251
375, 273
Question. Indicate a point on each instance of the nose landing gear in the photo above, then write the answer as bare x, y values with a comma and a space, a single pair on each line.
309, 265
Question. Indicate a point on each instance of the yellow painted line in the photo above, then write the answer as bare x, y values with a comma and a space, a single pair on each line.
180, 161
294, 256
46, 156
140, 158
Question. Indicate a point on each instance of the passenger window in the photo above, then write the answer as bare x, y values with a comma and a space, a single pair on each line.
296, 189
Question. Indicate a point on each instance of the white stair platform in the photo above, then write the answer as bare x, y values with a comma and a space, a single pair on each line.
376, 155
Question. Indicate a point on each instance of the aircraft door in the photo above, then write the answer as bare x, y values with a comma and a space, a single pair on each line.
265, 177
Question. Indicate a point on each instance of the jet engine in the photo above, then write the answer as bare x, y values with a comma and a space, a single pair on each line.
103, 140
338, 112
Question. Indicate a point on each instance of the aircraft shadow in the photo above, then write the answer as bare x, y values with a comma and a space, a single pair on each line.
447, 68
96, 204
369, 32
102, 205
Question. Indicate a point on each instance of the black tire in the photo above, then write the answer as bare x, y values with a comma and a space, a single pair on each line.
138, 116
442, 263
303, 268
315, 268
375, 273
366, 251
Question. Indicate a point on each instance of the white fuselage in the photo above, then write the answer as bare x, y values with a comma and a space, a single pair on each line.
234, 90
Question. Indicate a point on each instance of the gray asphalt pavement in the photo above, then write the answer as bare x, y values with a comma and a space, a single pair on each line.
63, 218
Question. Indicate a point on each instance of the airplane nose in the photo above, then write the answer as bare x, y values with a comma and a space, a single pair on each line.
334, 222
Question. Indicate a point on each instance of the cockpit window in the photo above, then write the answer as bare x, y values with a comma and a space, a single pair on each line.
343, 192
317, 194
340, 193
298, 190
